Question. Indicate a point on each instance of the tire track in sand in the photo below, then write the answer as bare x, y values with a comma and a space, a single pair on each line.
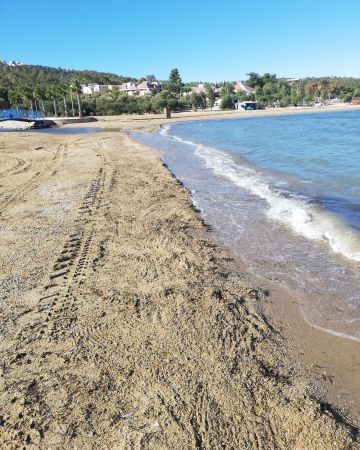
39, 176
43, 329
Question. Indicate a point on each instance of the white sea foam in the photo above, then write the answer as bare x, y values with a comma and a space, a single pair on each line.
164, 130
303, 216
334, 333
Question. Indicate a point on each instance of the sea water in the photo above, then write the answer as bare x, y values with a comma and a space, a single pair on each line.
283, 192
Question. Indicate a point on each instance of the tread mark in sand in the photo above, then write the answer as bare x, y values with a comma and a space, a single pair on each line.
58, 300
54, 314
36, 178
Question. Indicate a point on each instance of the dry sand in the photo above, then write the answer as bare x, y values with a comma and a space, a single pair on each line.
123, 325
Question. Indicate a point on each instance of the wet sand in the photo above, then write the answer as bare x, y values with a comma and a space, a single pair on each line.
123, 324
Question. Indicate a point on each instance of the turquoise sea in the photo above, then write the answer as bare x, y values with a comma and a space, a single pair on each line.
283, 193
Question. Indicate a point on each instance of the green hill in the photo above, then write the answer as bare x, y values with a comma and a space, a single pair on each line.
19, 83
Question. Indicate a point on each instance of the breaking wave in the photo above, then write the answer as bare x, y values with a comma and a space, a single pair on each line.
304, 216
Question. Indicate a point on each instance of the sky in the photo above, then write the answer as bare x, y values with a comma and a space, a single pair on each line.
205, 40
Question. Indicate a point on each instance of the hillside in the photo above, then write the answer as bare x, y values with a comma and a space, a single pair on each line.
57, 92
20, 79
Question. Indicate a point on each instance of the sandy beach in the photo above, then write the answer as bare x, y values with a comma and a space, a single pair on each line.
125, 326
148, 122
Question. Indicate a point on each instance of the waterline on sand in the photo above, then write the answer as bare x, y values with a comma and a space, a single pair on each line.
272, 223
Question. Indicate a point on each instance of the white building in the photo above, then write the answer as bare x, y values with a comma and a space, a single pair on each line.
90, 88
292, 81
12, 63
94, 87
130, 88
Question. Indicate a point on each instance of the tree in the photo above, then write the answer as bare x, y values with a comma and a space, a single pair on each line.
174, 76
228, 96
116, 93
301, 91
258, 92
334, 88
347, 98
268, 78
63, 91
269, 89
295, 100
26, 93
254, 80
210, 94
174, 84
227, 102
324, 89
38, 94
151, 77
197, 100
14, 98
194, 101
185, 89
285, 101
284, 90
309, 90
4, 97
53, 93
72, 102
309, 100
228, 89
75, 87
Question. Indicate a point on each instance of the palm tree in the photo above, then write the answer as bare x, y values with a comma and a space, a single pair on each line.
26, 94
63, 91
14, 98
72, 102
75, 87
53, 93
37, 96
42, 96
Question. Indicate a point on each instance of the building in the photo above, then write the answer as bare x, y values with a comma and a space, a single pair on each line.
12, 63
148, 87
94, 87
199, 89
130, 88
90, 88
243, 88
291, 81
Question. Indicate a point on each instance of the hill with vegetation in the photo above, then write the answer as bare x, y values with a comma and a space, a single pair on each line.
57, 92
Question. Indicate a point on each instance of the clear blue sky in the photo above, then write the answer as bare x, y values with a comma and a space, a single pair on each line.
205, 40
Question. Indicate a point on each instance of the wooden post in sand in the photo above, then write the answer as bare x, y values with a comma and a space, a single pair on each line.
167, 113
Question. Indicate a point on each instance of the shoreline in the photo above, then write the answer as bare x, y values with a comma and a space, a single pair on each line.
343, 369
149, 122
192, 342
329, 359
